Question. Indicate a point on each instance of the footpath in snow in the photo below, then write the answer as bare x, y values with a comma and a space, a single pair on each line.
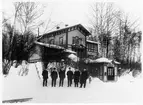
126, 89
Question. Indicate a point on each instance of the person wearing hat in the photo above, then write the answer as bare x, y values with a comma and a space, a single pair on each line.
54, 76
61, 76
83, 78
76, 77
45, 77
69, 77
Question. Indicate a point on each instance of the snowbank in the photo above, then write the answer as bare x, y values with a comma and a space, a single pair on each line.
30, 86
15, 86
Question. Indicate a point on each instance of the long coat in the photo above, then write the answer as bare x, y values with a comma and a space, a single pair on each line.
62, 74
84, 76
70, 74
54, 75
76, 76
45, 74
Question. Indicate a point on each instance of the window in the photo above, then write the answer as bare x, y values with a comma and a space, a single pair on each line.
71, 28
77, 40
87, 47
92, 47
73, 40
80, 40
51, 41
61, 41
96, 48
74, 28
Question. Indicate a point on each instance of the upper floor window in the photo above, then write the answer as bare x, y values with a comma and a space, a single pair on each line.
61, 42
92, 47
51, 41
73, 40
80, 41
76, 40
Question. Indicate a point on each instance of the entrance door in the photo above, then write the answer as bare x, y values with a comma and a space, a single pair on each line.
110, 73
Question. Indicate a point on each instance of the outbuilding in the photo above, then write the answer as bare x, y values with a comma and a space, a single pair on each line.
105, 69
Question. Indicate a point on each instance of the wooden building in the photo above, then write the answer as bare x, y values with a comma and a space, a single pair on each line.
104, 69
72, 38
92, 49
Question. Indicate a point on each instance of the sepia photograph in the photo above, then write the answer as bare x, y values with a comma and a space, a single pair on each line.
71, 51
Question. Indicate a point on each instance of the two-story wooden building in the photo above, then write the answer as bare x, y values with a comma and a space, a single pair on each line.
72, 38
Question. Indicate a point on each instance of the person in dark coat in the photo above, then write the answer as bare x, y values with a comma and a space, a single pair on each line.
45, 77
69, 77
83, 78
61, 76
76, 77
54, 76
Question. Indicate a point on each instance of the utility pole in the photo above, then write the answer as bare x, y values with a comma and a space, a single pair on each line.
38, 31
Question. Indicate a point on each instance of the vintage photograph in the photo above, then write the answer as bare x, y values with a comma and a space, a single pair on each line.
71, 51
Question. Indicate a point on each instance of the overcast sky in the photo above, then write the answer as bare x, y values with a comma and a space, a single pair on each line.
72, 12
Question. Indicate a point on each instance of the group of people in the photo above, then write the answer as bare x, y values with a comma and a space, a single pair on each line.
77, 76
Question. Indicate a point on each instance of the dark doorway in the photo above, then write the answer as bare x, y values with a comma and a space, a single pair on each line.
110, 73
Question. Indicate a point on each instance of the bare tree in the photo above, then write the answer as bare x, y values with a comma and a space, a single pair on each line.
103, 22
28, 15
127, 41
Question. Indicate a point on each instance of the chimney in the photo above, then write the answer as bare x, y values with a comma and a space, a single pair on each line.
58, 27
66, 25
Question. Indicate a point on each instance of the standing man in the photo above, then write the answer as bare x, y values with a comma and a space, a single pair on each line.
61, 76
54, 76
45, 77
70, 77
83, 78
76, 77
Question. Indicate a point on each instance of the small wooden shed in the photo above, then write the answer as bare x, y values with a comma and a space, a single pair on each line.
105, 69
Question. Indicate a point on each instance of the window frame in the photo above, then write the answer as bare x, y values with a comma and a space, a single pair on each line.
61, 40
51, 41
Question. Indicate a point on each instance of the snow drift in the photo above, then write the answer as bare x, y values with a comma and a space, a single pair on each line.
126, 89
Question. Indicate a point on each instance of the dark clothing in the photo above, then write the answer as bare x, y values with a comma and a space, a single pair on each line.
54, 76
70, 77
76, 84
76, 78
54, 82
61, 76
45, 74
83, 78
44, 82
45, 77
69, 82
70, 74
83, 83
61, 82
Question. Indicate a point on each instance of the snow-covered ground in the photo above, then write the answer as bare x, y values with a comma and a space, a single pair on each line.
126, 89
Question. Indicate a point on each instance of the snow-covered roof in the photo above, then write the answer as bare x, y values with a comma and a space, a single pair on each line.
70, 51
104, 60
92, 41
79, 25
49, 45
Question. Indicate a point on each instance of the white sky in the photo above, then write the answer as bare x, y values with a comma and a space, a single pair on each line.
72, 12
